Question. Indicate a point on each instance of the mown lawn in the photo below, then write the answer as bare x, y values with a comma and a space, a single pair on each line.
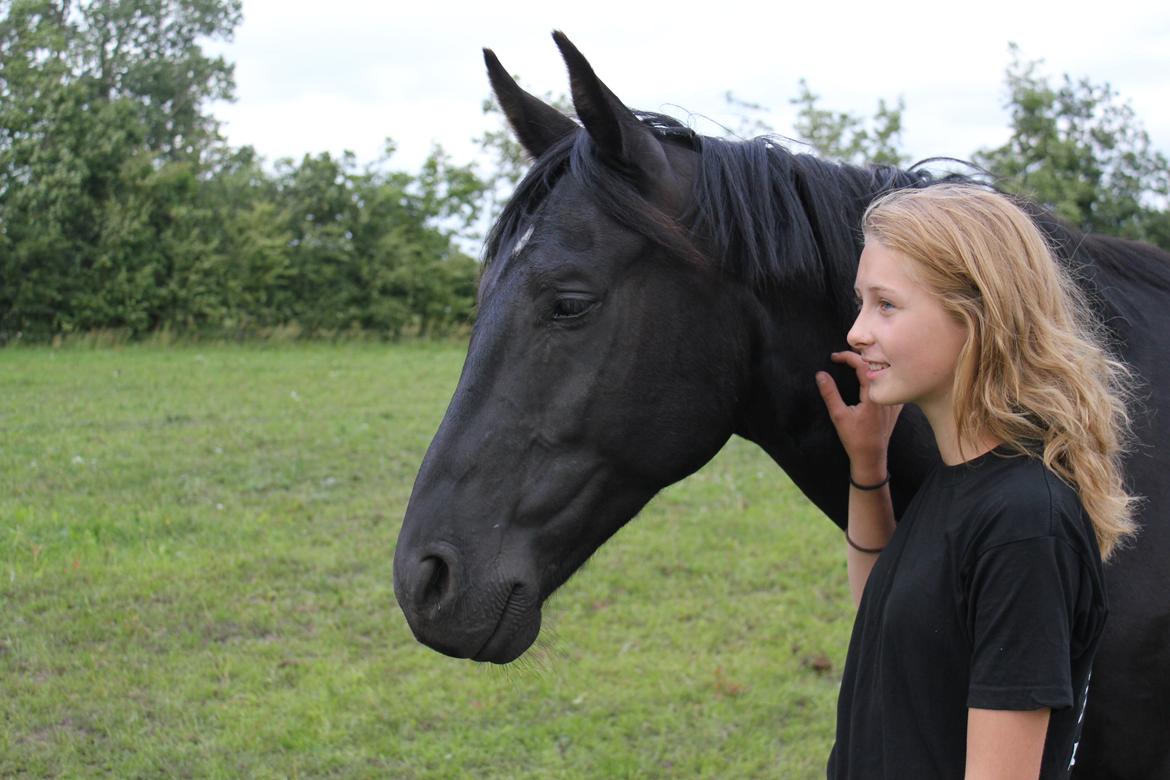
195, 581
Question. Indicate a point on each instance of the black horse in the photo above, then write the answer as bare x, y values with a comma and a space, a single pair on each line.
646, 294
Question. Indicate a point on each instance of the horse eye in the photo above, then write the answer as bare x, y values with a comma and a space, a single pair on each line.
570, 306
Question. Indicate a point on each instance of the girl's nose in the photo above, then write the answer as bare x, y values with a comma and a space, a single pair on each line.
858, 335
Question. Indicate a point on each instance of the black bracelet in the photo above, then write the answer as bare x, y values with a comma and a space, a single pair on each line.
859, 548
883, 483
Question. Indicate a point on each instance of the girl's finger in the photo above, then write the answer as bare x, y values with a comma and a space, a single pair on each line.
854, 361
829, 394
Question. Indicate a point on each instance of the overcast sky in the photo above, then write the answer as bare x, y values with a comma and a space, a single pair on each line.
328, 76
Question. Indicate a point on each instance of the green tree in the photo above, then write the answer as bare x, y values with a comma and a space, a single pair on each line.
121, 207
836, 135
1082, 152
847, 137
231, 270
99, 100
374, 249
149, 52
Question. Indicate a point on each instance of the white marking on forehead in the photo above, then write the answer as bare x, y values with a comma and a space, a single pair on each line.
522, 240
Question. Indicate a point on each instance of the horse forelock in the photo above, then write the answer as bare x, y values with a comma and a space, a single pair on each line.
517, 214
610, 188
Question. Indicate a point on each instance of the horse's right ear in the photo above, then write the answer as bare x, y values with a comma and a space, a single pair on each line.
537, 125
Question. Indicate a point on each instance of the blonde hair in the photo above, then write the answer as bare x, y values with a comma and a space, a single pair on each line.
1034, 372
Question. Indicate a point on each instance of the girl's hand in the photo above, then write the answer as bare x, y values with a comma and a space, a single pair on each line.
865, 428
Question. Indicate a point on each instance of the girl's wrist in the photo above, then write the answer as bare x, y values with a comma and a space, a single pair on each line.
869, 473
867, 486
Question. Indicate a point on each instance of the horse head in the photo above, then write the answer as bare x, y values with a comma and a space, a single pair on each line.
607, 361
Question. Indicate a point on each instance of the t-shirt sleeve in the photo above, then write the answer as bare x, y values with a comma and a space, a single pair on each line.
1031, 604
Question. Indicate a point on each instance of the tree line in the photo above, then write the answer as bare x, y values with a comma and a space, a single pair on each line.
1075, 146
122, 208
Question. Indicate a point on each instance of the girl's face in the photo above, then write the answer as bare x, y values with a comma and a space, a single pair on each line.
911, 343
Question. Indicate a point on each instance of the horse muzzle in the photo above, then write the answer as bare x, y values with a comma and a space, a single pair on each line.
495, 621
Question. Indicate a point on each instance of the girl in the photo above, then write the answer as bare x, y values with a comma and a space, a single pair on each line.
979, 615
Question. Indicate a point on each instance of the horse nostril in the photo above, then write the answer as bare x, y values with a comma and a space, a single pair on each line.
438, 578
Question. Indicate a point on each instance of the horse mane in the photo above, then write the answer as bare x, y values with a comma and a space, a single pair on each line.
760, 212
773, 218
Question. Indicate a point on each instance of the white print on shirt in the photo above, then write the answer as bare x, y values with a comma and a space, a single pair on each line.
1080, 722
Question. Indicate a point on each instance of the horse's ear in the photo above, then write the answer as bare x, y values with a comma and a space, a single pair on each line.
612, 126
537, 125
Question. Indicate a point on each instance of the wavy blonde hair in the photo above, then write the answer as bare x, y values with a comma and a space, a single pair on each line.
1034, 373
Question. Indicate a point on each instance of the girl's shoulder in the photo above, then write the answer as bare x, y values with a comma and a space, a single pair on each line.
1009, 498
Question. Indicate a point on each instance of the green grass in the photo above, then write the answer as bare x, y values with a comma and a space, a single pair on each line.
195, 581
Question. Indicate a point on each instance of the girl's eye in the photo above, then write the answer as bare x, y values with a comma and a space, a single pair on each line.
885, 305
568, 307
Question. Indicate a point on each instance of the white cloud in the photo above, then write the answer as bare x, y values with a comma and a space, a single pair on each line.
344, 75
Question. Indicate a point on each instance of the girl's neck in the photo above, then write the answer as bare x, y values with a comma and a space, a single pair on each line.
946, 436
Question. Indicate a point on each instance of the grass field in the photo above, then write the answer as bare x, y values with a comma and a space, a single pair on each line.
195, 582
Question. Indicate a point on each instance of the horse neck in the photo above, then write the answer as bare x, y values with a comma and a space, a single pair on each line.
782, 411
800, 267
796, 329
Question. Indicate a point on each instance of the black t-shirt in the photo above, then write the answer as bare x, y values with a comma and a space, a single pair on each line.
989, 595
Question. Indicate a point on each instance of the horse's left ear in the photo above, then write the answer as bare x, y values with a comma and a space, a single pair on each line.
537, 125
613, 127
